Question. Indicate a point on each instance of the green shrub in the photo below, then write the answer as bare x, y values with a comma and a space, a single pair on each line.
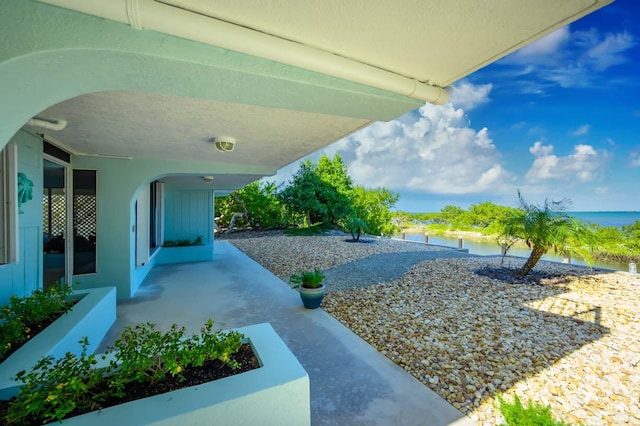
515, 414
317, 229
72, 385
24, 317
183, 243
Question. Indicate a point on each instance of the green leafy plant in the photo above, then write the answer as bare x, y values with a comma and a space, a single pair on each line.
24, 317
515, 414
55, 388
545, 227
307, 279
317, 229
198, 241
355, 226
143, 355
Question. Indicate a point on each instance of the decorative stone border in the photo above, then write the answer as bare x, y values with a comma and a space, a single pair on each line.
92, 317
277, 393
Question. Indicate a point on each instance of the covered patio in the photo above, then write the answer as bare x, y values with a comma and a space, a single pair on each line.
351, 383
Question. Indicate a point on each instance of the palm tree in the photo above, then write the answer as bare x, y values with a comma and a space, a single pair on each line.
545, 227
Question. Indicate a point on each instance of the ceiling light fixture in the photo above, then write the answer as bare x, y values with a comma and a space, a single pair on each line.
207, 179
224, 143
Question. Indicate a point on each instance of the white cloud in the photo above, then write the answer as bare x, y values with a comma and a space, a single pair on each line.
468, 96
609, 51
436, 152
541, 49
602, 189
582, 130
568, 59
584, 164
634, 159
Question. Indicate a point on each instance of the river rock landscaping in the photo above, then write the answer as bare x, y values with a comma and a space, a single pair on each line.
569, 337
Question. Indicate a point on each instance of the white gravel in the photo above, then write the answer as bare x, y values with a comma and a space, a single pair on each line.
572, 341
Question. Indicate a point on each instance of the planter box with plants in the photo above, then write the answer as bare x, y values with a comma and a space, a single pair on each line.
273, 389
309, 284
180, 251
70, 316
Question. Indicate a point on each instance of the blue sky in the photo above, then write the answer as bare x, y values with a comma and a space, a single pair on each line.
559, 118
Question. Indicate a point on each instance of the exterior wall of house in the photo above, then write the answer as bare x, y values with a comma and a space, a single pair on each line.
25, 276
51, 54
189, 215
119, 183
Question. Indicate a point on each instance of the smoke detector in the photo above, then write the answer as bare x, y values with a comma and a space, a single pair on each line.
224, 143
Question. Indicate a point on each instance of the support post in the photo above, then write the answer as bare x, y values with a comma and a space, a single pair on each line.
460, 243
426, 238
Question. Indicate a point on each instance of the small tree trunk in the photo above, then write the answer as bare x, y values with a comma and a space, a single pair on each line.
534, 257
358, 234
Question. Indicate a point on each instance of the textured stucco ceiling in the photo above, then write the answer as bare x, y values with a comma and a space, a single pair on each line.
135, 124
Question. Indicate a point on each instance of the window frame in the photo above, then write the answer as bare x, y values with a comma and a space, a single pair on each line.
9, 204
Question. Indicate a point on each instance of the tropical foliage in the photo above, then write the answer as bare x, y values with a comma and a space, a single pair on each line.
611, 243
547, 227
319, 193
307, 279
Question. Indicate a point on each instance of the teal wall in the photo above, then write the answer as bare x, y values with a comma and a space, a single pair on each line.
22, 278
119, 182
188, 215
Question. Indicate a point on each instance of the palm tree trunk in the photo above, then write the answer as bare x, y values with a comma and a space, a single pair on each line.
534, 257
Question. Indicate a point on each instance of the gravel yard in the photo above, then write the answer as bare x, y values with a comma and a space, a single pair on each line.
570, 340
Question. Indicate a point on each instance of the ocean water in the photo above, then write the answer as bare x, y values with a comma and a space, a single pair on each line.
617, 219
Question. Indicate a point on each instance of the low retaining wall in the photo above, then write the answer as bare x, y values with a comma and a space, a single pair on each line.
92, 317
184, 254
277, 393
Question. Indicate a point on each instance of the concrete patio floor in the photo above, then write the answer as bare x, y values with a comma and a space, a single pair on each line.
351, 383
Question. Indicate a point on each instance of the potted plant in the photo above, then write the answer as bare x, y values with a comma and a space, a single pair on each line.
309, 284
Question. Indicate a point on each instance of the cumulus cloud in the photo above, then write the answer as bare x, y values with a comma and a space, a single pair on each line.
584, 164
469, 96
582, 130
434, 152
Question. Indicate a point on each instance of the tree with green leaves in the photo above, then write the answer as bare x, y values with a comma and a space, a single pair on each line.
310, 195
545, 227
374, 206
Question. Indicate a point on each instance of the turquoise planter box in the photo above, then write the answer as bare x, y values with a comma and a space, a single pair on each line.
199, 253
277, 393
92, 317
